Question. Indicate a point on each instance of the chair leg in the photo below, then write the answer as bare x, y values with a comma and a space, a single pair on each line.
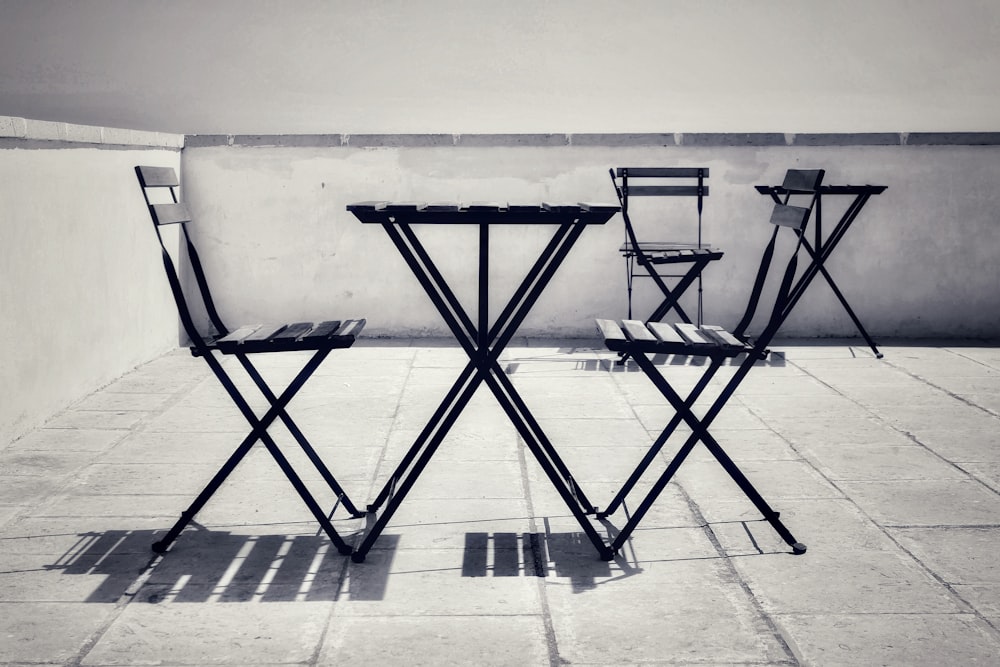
258, 433
296, 433
700, 433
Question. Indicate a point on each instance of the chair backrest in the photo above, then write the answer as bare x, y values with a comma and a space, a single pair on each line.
803, 188
658, 182
159, 187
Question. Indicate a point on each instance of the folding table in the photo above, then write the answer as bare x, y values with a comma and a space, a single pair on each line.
482, 341
824, 246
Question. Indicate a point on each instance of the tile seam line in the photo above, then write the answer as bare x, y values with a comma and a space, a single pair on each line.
551, 638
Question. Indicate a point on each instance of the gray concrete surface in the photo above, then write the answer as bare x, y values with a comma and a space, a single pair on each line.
889, 470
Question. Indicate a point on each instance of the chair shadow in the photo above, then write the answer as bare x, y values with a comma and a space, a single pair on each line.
211, 565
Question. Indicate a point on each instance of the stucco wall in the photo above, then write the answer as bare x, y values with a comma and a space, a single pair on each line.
82, 292
919, 262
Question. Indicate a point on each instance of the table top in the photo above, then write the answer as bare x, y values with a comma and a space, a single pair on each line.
449, 213
828, 189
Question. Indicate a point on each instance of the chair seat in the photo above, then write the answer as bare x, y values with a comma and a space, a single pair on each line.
666, 252
666, 338
257, 338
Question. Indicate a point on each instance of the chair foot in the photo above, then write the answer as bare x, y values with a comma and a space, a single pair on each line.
879, 355
160, 547
358, 557
798, 548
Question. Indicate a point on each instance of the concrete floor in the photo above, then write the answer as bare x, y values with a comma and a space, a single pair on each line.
889, 470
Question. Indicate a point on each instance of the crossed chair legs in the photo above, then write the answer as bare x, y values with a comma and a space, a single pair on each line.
699, 433
259, 433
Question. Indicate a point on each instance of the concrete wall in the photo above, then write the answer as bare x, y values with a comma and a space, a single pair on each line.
919, 262
82, 292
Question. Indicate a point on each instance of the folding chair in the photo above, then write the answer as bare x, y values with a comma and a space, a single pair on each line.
320, 338
640, 340
681, 261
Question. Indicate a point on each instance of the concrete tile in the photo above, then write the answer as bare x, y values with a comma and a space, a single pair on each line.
956, 416
74, 577
844, 582
732, 417
707, 481
751, 445
423, 582
234, 634
66, 439
200, 419
987, 473
437, 641
147, 478
596, 432
984, 598
925, 502
957, 555
137, 505
96, 419
74, 535
897, 639
159, 447
962, 444
27, 490
818, 430
467, 479
108, 401
223, 566
29, 630
43, 463
679, 622
824, 525
875, 462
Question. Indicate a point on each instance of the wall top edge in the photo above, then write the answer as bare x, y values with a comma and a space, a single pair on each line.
28, 133
596, 140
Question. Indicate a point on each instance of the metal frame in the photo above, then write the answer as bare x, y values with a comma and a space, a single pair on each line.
823, 248
789, 291
483, 342
159, 177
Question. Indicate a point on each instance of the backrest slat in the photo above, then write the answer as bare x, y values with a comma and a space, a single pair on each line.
666, 190
157, 177
802, 181
795, 217
662, 172
170, 214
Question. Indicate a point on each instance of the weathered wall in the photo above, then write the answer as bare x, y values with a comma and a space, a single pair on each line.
82, 292
919, 262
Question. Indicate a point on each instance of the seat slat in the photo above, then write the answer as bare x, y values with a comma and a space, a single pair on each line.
292, 332
636, 330
665, 332
170, 214
263, 333
724, 336
322, 331
350, 330
614, 337
236, 337
691, 334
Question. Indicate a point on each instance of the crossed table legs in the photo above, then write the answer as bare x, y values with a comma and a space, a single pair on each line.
483, 343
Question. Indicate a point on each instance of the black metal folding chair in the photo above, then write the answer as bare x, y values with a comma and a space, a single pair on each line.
320, 338
679, 261
640, 340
